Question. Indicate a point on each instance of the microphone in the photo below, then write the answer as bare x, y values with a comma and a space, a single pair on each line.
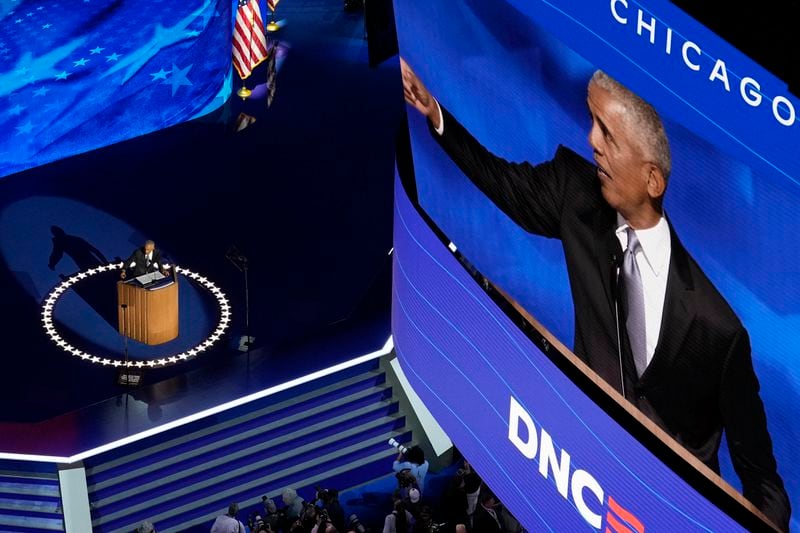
615, 264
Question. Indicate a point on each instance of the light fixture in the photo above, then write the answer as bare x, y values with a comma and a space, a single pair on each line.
49, 305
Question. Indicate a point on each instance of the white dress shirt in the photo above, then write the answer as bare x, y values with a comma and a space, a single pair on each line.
148, 257
653, 261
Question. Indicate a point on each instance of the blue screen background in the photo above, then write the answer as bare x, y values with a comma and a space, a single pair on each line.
75, 76
733, 193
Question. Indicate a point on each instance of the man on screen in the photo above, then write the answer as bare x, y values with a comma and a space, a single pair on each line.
647, 319
144, 260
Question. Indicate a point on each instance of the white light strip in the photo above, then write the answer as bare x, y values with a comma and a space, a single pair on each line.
387, 348
31, 457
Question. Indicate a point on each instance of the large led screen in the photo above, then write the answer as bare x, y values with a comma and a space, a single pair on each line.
512, 80
75, 76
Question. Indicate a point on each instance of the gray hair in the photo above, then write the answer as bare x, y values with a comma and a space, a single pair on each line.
289, 496
148, 241
644, 118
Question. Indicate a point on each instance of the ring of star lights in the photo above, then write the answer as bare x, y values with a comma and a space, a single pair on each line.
50, 303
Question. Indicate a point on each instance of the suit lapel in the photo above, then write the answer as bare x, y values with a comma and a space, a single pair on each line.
679, 312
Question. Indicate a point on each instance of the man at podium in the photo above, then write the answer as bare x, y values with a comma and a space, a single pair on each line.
144, 260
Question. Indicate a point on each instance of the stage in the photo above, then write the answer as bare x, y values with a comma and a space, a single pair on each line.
304, 192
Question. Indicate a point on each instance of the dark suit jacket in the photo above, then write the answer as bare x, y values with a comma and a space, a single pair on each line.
483, 522
701, 379
141, 265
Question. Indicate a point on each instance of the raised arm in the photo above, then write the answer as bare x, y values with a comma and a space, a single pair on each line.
532, 196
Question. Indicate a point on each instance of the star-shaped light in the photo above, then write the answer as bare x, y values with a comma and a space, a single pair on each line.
63, 75
18, 21
50, 302
47, 26
25, 128
113, 57
96, 50
16, 110
41, 91
81, 62
178, 79
160, 75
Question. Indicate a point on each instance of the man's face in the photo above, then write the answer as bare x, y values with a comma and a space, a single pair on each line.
149, 247
622, 167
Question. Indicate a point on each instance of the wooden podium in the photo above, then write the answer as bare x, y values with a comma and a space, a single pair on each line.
151, 313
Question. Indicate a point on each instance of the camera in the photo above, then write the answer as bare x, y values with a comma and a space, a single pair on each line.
255, 521
400, 447
354, 524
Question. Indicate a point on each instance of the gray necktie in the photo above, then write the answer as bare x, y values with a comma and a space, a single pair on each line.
634, 300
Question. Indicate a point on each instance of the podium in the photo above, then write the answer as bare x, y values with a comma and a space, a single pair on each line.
151, 313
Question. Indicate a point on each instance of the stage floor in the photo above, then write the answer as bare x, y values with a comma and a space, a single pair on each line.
224, 383
305, 192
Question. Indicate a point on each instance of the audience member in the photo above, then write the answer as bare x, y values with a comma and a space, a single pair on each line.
413, 461
328, 499
271, 516
293, 503
468, 507
461, 496
146, 527
228, 523
400, 520
486, 518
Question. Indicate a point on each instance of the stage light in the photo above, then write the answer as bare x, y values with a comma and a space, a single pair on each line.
50, 302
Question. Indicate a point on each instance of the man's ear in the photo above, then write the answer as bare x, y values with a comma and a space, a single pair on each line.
656, 182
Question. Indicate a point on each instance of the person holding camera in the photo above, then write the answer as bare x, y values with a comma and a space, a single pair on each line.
414, 461
271, 514
461, 497
400, 520
328, 499
324, 523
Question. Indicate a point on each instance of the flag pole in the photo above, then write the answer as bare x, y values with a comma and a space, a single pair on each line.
244, 93
273, 26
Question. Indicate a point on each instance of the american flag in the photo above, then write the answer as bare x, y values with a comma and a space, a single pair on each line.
249, 39
272, 4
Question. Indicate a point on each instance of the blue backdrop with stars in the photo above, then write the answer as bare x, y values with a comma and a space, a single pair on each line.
80, 74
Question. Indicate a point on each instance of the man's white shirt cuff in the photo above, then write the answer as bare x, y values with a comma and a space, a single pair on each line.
440, 129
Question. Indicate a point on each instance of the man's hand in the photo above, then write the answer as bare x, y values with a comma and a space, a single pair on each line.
417, 95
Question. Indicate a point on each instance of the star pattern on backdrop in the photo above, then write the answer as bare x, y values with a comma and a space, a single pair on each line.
69, 75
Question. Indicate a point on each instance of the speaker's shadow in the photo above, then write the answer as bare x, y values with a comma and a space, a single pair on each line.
85, 256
